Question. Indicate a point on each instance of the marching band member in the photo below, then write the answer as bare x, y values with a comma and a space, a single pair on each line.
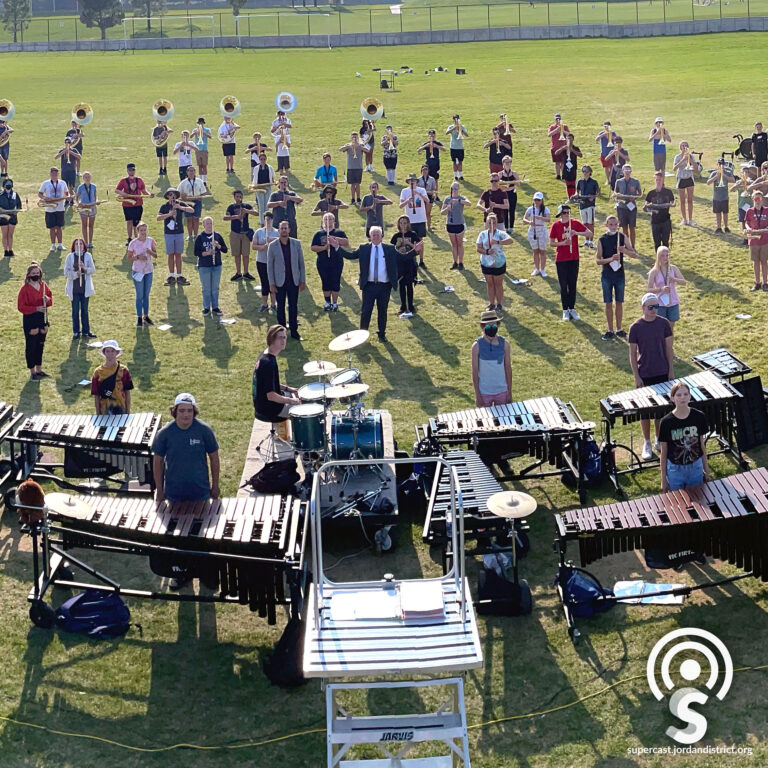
87, 207
683, 168
326, 174
659, 202
262, 179
329, 204
619, 157
498, 149
172, 216
142, 251
389, 143
611, 249
491, 364
200, 137
415, 201
191, 190
5, 149
743, 197
227, 134
76, 134
568, 156
281, 133
68, 158
759, 145
255, 148
587, 190
55, 191
408, 246
431, 149
662, 280
209, 246
184, 149
506, 129
494, 200
158, 132
455, 224
720, 181
240, 236
133, 190
757, 220
283, 205
111, 383
33, 302
330, 262
78, 269
281, 123
627, 191
373, 207
261, 241
354, 151
606, 138
660, 137
511, 181
367, 131
10, 202
429, 185
493, 262
537, 218
556, 133
564, 236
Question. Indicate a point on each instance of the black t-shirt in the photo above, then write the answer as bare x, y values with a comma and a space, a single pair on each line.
572, 159
236, 225
683, 436
663, 195
760, 144
587, 188
320, 239
175, 224
266, 379
72, 133
404, 242
610, 244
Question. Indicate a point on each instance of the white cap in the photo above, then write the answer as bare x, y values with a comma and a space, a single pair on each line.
538, 196
658, 120
185, 397
648, 297
110, 344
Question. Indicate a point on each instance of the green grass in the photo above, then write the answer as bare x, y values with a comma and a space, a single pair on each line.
194, 676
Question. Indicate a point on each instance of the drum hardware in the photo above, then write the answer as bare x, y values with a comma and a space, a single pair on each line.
345, 506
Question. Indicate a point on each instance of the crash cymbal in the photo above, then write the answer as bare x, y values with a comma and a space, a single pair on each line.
320, 368
341, 391
67, 505
348, 340
511, 504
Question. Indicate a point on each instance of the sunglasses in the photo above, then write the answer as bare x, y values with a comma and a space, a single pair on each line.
652, 307
493, 327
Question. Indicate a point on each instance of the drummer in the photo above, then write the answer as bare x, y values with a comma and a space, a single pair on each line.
271, 402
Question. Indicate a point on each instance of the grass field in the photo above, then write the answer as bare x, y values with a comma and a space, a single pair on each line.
413, 17
194, 674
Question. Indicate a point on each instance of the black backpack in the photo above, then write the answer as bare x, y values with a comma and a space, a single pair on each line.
283, 667
275, 477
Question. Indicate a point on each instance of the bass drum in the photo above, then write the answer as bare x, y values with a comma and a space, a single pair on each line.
370, 442
308, 426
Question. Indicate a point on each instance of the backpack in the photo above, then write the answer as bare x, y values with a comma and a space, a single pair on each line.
275, 477
283, 667
595, 462
94, 613
583, 593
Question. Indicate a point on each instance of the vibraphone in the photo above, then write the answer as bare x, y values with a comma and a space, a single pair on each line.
94, 446
722, 362
6, 425
545, 428
726, 519
716, 398
244, 547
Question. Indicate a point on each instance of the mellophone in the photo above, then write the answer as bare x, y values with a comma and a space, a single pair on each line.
244, 547
94, 445
545, 428
726, 519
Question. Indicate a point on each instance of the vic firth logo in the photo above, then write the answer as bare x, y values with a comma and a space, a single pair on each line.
396, 736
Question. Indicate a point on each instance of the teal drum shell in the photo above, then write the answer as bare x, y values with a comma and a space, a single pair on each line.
308, 426
370, 439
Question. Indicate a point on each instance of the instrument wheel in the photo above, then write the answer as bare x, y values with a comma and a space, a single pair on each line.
9, 499
65, 572
42, 615
525, 600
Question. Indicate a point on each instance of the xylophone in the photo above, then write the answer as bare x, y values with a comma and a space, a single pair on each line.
722, 362
94, 446
243, 546
726, 519
545, 428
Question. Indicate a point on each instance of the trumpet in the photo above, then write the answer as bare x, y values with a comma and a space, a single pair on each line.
609, 136
505, 120
660, 130
431, 149
371, 109
391, 138
562, 136
82, 113
721, 181
689, 165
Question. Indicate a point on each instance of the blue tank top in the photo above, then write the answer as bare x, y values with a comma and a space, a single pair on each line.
490, 366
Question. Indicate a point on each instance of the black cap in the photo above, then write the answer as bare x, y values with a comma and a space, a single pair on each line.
130, 167
200, 119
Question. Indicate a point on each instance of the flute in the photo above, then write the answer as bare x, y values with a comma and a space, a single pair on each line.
45, 299
327, 239
81, 264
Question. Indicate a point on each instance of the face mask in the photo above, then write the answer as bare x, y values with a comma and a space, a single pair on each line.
9, 186
34, 278
491, 330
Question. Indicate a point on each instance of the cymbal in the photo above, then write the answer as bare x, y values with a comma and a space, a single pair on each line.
341, 391
320, 368
348, 340
67, 505
511, 504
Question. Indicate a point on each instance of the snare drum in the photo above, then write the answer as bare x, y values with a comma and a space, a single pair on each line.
308, 426
370, 442
312, 392
347, 376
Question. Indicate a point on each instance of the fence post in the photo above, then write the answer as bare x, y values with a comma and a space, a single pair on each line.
693, 12
664, 8
248, 27
430, 18
401, 21
48, 29
221, 33
720, 8
488, 14
607, 17
278, 25
457, 19
518, 16
338, 13
309, 28
370, 21
75, 33
548, 24
577, 13
162, 46
637, 14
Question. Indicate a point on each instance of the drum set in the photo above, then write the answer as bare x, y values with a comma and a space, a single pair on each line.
320, 434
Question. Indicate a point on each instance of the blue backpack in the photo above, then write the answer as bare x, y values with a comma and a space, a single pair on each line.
584, 594
94, 613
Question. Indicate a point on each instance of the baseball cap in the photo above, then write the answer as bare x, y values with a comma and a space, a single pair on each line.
557, 114
538, 196
658, 120
757, 193
563, 208
185, 397
200, 119
130, 167
647, 297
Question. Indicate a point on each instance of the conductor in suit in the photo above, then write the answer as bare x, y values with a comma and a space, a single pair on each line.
287, 276
378, 276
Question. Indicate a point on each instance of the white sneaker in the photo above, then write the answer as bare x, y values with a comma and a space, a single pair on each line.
656, 446
574, 314
691, 223
543, 272
566, 315
646, 453
53, 247
405, 315
60, 247
534, 273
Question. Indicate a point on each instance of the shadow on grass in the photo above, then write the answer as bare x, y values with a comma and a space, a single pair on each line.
144, 364
177, 311
72, 370
216, 342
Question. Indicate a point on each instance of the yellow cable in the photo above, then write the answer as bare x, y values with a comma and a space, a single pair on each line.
311, 731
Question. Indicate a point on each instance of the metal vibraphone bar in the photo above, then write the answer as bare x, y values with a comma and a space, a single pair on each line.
722, 362
7, 422
246, 548
726, 519
94, 446
547, 429
715, 397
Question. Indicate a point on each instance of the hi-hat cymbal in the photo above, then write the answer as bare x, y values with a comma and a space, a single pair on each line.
341, 391
511, 504
348, 340
67, 505
320, 368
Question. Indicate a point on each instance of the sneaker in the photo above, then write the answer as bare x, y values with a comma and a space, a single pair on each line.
147, 320
718, 231
534, 273
726, 230
499, 308
10, 254
647, 452
412, 310
216, 311
60, 247
405, 315
53, 247
745, 243
43, 375
401, 311
683, 223
327, 306
621, 334
566, 315
607, 335
127, 242
691, 223
460, 266
765, 286
170, 280
76, 336
273, 308
263, 308
656, 446
34, 377
453, 266
248, 276
181, 280
296, 335
90, 246
206, 312
543, 272
490, 307
139, 322
180, 583
422, 264
237, 276
756, 287
575, 315
334, 307
700, 559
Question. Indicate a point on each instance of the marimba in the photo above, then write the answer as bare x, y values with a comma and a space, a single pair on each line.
94, 445
242, 546
726, 519
545, 428
716, 398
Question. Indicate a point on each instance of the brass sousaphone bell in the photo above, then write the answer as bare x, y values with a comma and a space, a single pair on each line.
82, 113
229, 106
286, 102
7, 111
371, 109
162, 110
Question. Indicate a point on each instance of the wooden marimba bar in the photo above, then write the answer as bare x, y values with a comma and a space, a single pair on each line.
726, 519
245, 545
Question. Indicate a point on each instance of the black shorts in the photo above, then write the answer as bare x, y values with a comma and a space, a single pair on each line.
54, 219
647, 381
228, 149
284, 163
494, 271
684, 183
419, 228
720, 206
162, 151
69, 178
5, 151
457, 154
454, 229
354, 175
11, 221
627, 218
390, 163
183, 172
133, 213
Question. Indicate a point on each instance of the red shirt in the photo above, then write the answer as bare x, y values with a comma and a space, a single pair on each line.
758, 220
565, 252
31, 299
557, 142
133, 186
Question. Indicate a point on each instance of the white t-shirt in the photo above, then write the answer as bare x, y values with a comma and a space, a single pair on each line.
49, 189
185, 154
224, 131
539, 216
418, 213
